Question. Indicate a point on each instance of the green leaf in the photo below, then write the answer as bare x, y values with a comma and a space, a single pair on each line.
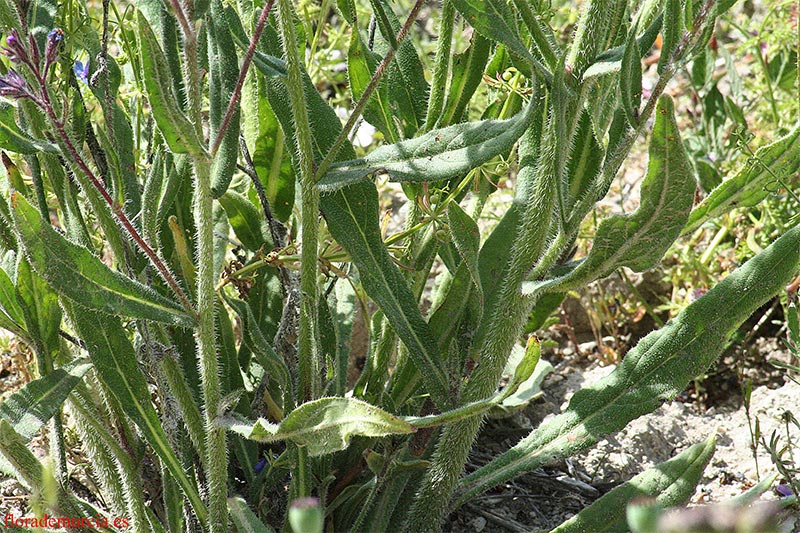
670, 483
466, 76
496, 20
273, 163
749, 186
326, 425
247, 222
8, 299
352, 220
178, 131
657, 369
611, 60
245, 519
29, 409
39, 304
437, 155
405, 76
467, 239
630, 80
29, 470
223, 66
254, 339
638, 240
361, 65
75, 272
114, 360
15, 140
673, 30
585, 160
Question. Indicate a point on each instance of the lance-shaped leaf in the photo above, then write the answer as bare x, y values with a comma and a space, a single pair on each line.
670, 483
11, 315
114, 360
244, 518
76, 273
778, 160
352, 220
630, 80
32, 406
638, 240
437, 155
673, 29
247, 223
30, 471
178, 131
325, 425
467, 240
657, 369
15, 140
496, 20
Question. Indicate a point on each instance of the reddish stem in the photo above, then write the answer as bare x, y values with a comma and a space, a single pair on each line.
237, 93
47, 106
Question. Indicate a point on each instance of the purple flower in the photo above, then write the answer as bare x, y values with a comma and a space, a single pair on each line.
82, 71
260, 465
13, 85
14, 48
784, 490
54, 38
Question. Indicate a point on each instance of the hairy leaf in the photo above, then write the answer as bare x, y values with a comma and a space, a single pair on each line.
638, 240
670, 483
223, 66
496, 20
326, 425
178, 131
245, 519
630, 80
467, 240
657, 369
247, 222
15, 140
437, 155
29, 409
114, 360
75, 272
749, 186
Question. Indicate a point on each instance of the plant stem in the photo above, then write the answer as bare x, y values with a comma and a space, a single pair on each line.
116, 209
237, 93
441, 65
506, 321
308, 345
368, 90
216, 463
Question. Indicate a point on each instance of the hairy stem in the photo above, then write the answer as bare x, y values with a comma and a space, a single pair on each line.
431, 504
237, 93
365, 96
308, 345
441, 65
216, 463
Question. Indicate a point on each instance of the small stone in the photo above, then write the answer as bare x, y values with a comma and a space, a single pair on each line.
479, 524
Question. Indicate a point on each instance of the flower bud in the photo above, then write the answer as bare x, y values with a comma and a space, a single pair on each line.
306, 516
51, 49
13, 85
15, 49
